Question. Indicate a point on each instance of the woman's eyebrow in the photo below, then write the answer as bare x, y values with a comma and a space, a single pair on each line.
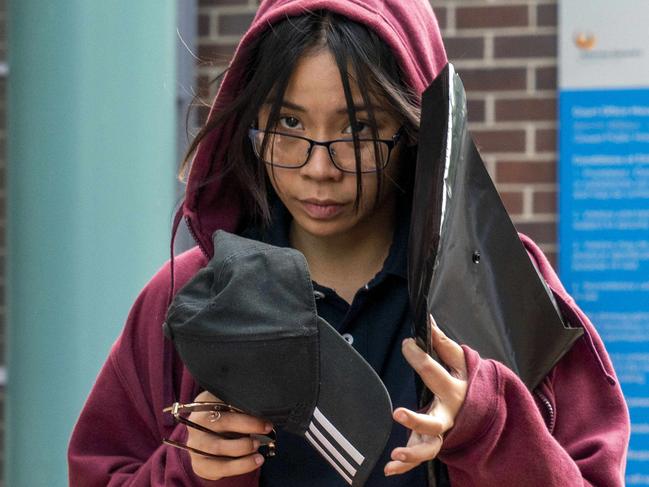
300, 108
362, 108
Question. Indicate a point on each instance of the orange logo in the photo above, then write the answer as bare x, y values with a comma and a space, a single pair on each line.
585, 41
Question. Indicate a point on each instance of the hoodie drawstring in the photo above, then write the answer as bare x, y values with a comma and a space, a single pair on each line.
169, 387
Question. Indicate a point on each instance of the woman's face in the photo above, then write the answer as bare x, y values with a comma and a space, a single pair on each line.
319, 196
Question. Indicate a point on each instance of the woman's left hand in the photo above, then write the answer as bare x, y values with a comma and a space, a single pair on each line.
449, 388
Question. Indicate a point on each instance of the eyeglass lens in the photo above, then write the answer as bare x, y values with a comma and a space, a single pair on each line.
287, 151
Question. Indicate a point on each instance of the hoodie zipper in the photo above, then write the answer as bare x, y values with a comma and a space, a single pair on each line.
193, 234
549, 408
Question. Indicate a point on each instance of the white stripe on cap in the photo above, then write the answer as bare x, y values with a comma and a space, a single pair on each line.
332, 449
336, 435
328, 458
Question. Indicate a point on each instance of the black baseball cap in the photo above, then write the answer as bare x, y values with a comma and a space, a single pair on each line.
247, 329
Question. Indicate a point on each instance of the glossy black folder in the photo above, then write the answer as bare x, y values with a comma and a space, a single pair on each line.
467, 266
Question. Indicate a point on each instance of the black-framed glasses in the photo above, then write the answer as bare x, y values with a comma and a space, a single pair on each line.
293, 151
181, 412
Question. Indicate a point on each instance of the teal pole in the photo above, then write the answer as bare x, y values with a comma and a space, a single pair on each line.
91, 134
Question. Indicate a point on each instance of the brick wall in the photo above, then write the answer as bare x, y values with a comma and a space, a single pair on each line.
506, 54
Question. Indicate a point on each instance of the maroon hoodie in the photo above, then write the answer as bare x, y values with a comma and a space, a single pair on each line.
573, 430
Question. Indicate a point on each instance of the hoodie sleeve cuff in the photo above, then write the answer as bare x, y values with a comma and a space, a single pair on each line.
481, 404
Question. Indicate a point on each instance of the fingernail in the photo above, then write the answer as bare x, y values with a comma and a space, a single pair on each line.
400, 415
401, 457
259, 459
433, 323
255, 444
405, 342
268, 428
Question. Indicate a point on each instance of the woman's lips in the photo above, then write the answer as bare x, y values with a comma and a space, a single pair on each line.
321, 210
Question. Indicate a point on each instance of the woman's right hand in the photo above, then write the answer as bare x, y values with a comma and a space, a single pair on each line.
243, 451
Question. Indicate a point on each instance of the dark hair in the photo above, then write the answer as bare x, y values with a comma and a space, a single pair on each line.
353, 45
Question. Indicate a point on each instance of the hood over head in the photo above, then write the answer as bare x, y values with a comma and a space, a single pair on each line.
409, 29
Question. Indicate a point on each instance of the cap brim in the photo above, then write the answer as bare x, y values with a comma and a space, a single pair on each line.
352, 420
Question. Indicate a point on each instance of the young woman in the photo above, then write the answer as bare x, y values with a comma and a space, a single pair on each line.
311, 143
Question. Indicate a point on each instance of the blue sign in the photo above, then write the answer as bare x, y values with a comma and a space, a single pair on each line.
604, 236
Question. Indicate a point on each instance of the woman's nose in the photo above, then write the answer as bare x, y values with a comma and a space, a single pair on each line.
320, 166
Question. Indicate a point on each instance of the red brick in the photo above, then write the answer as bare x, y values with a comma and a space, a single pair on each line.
494, 79
526, 172
523, 109
513, 201
464, 48
476, 110
491, 17
203, 25
545, 202
234, 24
546, 140
540, 232
216, 53
547, 15
442, 17
525, 46
500, 140
546, 78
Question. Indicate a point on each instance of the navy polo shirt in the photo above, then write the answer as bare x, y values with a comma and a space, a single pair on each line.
375, 323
